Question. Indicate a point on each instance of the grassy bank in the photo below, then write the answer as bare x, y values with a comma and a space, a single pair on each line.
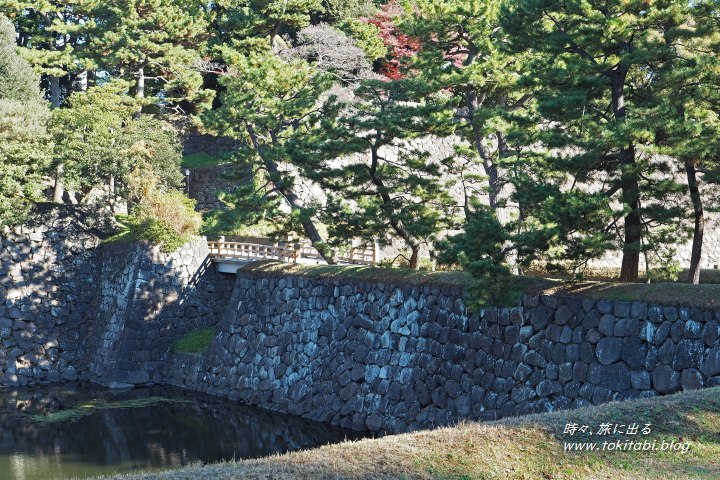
529, 447
704, 296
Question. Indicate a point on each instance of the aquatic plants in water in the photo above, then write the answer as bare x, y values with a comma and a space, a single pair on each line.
92, 406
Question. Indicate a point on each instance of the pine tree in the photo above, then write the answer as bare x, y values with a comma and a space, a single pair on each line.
685, 118
593, 69
155, 43
461, 55
51, 38
256, 25
270, 103
374, 193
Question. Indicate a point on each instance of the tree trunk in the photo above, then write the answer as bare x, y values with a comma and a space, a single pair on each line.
111, 194
141, 83
415, 257
699, 229
55, 92
472, 102
59, 189
633, 220
628, 182
140, 89
396, 224
291, 197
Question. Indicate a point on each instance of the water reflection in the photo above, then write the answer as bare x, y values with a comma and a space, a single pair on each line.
98, 440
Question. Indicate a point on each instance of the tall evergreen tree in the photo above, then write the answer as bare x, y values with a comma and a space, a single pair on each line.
155, 43
462, 56
592, 70
686, 86
24, 149
373, 193
255, 25
52, 40
269, 103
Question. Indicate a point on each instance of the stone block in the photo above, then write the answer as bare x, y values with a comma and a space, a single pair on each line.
563, 315
534, 358
693, 329
604, 306
626, 327
688, 354
591, 320
634, 352
666, 352
616, 378
677, 331
640, 380
691, 379
546, 388
666, 380
541, 317
602, 395
670, 313
662, 332
710, 333
572, 389
609, 350
607, 325
639, 310
622, 309
522, 372
711, 365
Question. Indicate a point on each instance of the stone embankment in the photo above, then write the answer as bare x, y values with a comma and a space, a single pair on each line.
73, 308
366, 355
394, 358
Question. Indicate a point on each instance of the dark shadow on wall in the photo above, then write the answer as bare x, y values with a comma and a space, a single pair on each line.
148, 304
48, 277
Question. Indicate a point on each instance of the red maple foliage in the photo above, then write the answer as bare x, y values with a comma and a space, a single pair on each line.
399, 44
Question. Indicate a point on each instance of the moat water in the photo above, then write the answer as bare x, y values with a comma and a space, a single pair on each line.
79, 431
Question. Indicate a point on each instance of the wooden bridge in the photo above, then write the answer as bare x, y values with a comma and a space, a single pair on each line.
228, 255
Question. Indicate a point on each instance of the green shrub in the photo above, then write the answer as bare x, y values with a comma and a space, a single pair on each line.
194, 342
669, 272
162, 215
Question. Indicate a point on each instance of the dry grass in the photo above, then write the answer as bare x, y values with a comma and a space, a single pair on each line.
528, 447
703, 296
451, 278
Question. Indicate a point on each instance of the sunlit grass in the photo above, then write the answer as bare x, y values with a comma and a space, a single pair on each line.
197, 341
530, 447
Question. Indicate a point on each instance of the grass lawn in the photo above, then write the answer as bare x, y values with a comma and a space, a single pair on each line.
702, 296
200, 160
531, 447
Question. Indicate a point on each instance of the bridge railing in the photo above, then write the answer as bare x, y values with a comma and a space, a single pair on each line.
221, 248
253, 251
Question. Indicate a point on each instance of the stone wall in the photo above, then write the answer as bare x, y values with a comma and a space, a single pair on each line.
148, 299
205, 182
72, 307
384, 357
196, 142
48, 278
370, 356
